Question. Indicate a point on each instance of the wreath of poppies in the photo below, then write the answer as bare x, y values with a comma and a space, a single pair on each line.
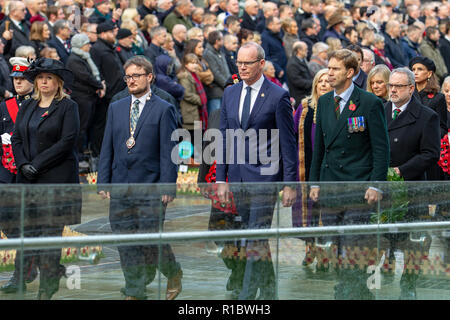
8, 158
444, 159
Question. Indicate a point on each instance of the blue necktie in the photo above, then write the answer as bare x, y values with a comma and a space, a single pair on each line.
246, 108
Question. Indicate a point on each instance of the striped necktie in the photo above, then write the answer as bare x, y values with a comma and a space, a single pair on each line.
337, 107
396, 113
134, 115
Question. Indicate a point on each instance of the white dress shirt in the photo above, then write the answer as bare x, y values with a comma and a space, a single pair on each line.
402, 108
256, 87
142, 100
345, 96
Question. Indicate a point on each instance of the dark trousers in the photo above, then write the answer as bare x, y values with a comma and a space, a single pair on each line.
98, 125
139, 262
255, 205
86, 107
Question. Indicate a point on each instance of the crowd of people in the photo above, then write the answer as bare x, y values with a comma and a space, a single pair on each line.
183, 59
297, 37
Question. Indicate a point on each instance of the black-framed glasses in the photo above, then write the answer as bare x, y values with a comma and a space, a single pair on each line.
135, 77
397, 86
246, 63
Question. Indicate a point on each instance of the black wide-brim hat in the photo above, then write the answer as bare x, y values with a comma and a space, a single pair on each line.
47, 65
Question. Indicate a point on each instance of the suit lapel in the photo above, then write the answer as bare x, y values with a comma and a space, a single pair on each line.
51, 109
346, 113
236, 100
29, 112
388, 112
260, 99
407, 117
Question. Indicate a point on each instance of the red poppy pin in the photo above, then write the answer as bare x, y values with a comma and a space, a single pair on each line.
352, 106
235, 78
430, 95
118, 49
44, 115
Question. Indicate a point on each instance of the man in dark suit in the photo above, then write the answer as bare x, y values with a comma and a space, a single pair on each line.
414, 136
272, 43
299, 76
19, 34
137, 149
255, 105
339, 155
360, 78
107, 60
158, 36
250, 17
393, 47
61, 40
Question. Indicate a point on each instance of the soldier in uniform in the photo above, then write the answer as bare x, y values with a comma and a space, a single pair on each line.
9, 215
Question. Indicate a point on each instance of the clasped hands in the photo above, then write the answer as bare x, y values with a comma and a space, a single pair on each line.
372, 196
287, 199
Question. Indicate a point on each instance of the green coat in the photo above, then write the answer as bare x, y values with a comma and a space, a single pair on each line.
427, 49
343, 156
175, 18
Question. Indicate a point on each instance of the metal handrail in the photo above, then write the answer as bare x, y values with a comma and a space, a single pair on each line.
199, 236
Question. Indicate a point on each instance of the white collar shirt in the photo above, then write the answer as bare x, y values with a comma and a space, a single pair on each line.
256, 87
142, 100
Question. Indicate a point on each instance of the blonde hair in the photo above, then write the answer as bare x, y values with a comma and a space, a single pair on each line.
313, 99
385, 73
130, 25
193, 32
60, 94
129, 14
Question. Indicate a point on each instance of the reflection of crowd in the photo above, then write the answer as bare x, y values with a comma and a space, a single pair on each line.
193, 48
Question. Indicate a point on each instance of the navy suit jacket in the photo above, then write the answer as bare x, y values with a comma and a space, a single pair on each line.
62, 53
271, 110
149, 161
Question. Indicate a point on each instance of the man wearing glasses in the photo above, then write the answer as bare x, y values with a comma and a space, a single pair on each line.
137, 149
414, 136
256, 106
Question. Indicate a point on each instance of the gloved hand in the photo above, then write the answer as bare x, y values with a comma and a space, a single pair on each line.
29, 171
6, 138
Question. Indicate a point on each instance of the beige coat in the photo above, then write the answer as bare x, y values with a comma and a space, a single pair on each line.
191, 101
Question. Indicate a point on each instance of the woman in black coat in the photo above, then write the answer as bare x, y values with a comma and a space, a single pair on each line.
44, 148
87, 86
427, 91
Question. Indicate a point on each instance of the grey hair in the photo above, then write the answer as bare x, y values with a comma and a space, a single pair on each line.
369, 53
157, 30
409, 74
259, 50
268, 63
446, 80
319, 47
378, 38
24, 51
59, 25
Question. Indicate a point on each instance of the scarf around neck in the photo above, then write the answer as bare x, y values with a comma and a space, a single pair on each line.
86, 56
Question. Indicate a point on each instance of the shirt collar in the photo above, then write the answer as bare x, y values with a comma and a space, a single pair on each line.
142, 99
17, 23
345, 96
256, 86
60, 40
402, 108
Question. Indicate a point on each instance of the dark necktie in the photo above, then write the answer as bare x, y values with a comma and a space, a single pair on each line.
67, 45
246, 108
396, 113
337, 108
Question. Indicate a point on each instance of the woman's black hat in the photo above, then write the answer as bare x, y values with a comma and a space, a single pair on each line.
50, 66
427, 62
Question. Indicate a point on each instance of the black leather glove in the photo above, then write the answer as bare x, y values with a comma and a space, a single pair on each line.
29, 171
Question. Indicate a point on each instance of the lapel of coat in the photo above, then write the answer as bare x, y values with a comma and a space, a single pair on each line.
407, 117
51, 109
388, 113
260, 99
346, 113
28, 113
236, 100
145, 112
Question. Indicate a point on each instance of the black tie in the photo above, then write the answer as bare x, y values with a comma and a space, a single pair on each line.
246, 108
